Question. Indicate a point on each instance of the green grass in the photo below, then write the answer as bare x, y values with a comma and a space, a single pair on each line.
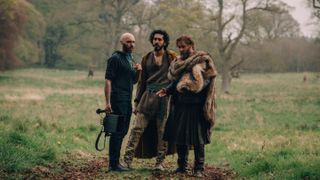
20, 151
268, 128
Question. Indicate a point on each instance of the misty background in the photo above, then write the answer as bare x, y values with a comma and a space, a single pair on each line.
243, 36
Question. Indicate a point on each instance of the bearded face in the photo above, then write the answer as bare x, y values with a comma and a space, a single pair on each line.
184, 54
158, 42
127, 47
184, 49
128, 43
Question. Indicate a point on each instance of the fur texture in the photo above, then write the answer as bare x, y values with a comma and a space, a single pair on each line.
193, 81
192, 74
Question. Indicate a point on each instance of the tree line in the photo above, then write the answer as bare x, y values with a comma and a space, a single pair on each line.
241, 35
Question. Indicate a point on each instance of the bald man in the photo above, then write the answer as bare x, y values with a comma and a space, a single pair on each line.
121, 74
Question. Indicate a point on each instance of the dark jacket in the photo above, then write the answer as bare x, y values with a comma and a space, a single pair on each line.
123, 76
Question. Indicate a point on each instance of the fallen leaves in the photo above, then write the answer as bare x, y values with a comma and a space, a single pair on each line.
79, 166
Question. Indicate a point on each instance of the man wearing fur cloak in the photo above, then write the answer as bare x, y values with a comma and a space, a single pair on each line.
192, 115
145, 140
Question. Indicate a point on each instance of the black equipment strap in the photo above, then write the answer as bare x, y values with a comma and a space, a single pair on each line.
98, 139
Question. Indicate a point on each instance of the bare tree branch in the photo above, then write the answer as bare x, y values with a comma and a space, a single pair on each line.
227, 22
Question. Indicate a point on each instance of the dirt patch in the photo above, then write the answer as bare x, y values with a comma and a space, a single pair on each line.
212, 173
69, 170
96, 168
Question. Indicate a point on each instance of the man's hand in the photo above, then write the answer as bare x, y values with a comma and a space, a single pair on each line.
137, 67
135, 108
108, 108
161, 93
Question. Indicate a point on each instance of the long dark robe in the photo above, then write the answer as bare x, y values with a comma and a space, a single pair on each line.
186, 124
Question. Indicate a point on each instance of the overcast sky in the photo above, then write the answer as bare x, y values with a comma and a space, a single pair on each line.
302, 14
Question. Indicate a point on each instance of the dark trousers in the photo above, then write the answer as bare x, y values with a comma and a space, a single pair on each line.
125, 109
183, 151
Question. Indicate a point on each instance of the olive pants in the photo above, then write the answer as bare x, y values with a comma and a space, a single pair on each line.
139, 125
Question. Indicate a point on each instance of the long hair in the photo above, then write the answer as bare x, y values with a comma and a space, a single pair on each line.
166, 37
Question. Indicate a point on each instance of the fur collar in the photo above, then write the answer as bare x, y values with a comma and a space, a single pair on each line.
195, 73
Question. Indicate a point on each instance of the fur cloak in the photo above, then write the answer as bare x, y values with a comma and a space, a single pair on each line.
193, 74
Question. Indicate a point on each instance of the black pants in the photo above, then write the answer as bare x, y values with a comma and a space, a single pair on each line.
183, 151
125, 109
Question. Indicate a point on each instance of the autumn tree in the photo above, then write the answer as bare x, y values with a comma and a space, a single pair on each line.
12, 18
68, 25
28, 47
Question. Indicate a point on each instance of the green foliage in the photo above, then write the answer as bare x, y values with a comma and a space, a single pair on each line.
54, 37
47, 7
28, 48
21, 22
20, 151
27, 51
12, 18
79, 33
74, 59
35, 25
189, 16
8, 8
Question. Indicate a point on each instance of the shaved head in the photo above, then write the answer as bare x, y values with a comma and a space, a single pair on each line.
125, 36
127, 40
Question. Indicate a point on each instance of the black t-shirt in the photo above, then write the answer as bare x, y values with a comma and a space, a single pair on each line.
120, 72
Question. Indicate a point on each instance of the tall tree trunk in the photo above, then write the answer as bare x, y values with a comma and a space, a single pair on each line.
227, 46
226, 77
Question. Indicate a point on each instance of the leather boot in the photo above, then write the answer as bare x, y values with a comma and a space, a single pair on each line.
117, 167
199, 160
114, 153
183, 152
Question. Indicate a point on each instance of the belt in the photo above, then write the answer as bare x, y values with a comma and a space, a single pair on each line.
154, 87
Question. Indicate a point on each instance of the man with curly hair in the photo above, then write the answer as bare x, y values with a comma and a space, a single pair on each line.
145, 140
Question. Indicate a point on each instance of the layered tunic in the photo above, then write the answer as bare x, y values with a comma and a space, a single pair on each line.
153, 78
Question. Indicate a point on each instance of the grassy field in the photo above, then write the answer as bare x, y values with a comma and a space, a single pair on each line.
268, 128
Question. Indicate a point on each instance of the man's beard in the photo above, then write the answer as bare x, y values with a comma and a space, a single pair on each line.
184, 55
127, 49
157, 47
